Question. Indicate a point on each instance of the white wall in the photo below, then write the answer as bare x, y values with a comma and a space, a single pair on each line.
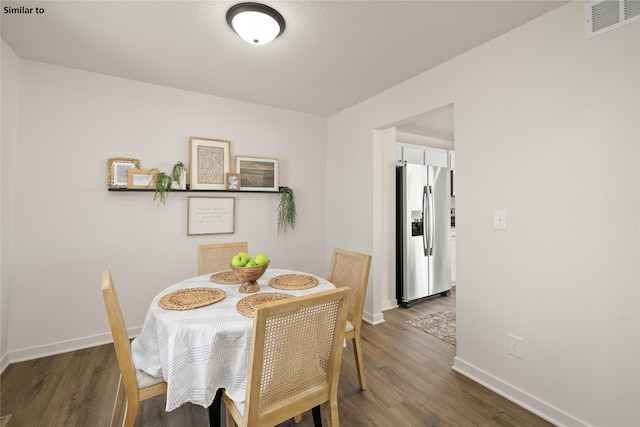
68, 227
10, 76
547, 128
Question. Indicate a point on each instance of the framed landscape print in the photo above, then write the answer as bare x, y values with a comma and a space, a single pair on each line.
118, 171
210, 215
258, 173
209, 163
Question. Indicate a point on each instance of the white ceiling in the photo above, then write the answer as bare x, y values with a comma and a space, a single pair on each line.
333, 54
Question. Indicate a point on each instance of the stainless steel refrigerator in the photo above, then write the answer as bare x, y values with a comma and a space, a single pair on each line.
423, 233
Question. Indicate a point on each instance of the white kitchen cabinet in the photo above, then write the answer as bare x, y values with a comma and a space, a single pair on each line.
452, 160
436, 157
413, 154
420, 155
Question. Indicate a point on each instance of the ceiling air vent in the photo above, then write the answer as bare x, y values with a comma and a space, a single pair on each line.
603, 16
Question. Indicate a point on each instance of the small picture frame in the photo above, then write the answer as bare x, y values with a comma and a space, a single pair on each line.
258, 173
210, 215
142, 178
233, 181
209, 163
118, 171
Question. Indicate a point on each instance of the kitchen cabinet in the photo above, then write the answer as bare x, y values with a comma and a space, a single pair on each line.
420, 155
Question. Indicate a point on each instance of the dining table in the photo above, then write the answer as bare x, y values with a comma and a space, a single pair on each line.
200, 351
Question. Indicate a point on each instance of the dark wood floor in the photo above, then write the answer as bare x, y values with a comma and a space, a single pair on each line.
409, 377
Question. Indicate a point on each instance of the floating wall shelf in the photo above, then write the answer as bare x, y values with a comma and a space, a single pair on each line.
191, 191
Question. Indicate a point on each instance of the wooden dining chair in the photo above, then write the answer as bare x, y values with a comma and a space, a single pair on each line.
351, 269
128, 385
217, 257
294, 362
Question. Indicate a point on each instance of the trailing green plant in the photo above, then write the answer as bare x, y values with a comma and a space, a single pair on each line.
286, 210
178, 173
163, 186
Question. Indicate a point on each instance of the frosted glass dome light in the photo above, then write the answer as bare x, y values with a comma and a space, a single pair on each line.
256, 23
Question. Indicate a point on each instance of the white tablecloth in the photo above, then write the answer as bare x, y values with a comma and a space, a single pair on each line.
198, 351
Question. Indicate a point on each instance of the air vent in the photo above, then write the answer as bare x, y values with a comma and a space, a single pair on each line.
603, 16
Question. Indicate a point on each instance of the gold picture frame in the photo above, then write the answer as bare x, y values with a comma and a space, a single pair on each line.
118, 171
209, 163
143, 178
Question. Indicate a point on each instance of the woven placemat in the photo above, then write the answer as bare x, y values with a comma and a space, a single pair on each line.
293, 281
228, 277
246, 306
186, 299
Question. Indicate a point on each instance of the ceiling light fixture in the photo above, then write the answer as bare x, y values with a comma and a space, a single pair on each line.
256, 23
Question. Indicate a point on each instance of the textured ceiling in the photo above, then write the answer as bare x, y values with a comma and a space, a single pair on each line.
333, 54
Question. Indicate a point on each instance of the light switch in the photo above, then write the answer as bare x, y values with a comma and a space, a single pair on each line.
500, 220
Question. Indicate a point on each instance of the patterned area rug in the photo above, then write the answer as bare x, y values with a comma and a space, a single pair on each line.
4, 420
441, 324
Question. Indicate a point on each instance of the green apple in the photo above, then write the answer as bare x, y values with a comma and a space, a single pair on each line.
261, 259
238, 261
245, 257
251, 263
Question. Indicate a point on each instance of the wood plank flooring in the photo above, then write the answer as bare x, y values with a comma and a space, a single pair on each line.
409, 378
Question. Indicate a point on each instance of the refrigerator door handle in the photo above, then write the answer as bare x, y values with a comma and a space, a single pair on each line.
431, 220
425, 221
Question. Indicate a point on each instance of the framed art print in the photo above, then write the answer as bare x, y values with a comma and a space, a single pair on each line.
258, 173
118, 171
142, 178
233, 181
209, 163
210, 215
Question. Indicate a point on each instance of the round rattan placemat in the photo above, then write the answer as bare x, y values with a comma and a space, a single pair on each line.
246, 306
293, 281
186, 299
228, 277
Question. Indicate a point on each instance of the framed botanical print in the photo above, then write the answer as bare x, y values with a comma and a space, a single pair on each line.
118, 171
258, 173
209, 163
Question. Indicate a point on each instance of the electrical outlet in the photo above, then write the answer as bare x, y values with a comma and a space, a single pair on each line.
516, 346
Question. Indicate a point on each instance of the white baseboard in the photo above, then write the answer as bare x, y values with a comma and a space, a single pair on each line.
520, 397
388, 305
4, 362
62, 347
373, 319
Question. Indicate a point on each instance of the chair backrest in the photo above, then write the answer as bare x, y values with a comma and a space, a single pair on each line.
351, 269
217, 257
295, 356
120, 336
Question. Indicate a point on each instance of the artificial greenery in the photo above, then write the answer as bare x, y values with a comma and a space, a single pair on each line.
286, 210
176, 173
163, 186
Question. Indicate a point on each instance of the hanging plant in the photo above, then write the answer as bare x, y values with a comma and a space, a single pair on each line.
286, 210
163, 186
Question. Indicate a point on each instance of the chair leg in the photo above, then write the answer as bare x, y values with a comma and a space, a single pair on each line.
118, 404
214, 409
297, 418
130, 413
332, 412
357, 350
317, 419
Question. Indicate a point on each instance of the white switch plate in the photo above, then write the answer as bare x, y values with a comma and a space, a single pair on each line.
500, 220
